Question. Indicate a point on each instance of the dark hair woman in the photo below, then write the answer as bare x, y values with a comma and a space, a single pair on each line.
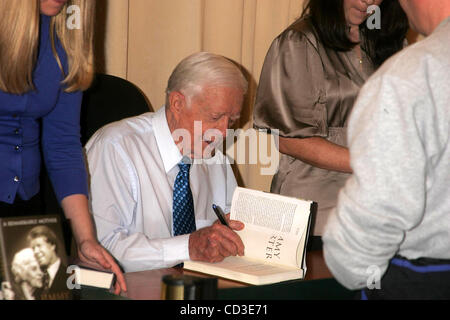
310, 80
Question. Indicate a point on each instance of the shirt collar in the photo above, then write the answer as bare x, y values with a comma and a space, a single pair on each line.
170, 154
443, 24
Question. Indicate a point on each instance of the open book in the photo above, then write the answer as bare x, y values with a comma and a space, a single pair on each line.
275, 236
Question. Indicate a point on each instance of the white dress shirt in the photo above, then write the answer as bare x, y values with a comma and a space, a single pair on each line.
133, 166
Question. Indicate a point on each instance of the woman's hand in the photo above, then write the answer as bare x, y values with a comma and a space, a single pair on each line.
90, 251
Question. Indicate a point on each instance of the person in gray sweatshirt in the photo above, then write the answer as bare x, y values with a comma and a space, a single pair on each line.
389, 234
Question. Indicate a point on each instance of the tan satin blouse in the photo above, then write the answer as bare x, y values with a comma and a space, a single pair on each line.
307, 90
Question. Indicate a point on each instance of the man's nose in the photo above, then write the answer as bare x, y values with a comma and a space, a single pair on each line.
224, 125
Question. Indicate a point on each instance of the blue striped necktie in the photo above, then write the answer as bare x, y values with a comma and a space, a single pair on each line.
183, 204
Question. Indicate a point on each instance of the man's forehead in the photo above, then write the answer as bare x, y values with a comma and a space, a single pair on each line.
217, 95
40, 239
219, 91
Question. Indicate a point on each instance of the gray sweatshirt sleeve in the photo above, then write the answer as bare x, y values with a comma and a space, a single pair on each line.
384, 198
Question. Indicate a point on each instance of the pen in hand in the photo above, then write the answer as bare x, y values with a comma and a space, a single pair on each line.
219, 213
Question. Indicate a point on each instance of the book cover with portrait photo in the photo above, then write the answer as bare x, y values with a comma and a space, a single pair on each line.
33, 260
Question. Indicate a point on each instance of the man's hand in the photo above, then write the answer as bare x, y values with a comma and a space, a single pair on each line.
214, 243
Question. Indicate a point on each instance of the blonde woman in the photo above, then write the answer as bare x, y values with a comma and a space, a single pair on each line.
44, 67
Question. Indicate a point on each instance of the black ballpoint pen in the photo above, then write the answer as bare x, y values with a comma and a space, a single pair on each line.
219, 213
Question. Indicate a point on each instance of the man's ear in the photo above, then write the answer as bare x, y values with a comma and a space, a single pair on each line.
177, 102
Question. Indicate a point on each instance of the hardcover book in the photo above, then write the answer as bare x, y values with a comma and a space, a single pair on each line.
90, 275
33, 260
275, 236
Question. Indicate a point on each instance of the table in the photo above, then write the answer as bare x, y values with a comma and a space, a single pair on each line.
146, 285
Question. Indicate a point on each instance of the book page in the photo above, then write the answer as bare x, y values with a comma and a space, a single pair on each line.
274, 225
270, 211
273, 247
247, 270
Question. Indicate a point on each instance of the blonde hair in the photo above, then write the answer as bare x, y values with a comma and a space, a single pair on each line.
19, 40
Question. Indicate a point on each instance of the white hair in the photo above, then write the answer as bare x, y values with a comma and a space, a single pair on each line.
204, 69
20, 262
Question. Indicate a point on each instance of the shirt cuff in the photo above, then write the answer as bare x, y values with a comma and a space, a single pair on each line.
62, 187
176, 249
